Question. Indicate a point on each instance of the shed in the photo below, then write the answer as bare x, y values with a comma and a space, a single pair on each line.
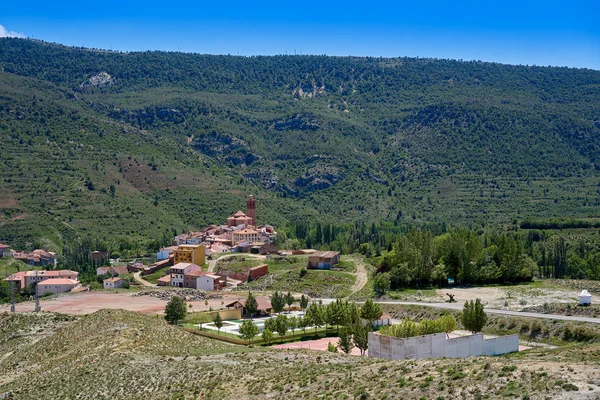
585, 298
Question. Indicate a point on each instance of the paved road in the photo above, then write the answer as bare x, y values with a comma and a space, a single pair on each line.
141, 280
459, 306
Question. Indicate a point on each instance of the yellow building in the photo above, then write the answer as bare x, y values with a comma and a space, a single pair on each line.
189, 253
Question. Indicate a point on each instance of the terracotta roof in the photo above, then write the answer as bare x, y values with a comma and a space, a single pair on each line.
247, 231
59, 281
263, 303
121, 270
166, 278
4, 246
195, 273
181, 265
239, 214
113, 279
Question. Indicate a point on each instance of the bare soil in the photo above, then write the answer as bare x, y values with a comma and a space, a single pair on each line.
89, 302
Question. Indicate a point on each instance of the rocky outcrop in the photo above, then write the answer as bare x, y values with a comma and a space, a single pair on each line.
101, 80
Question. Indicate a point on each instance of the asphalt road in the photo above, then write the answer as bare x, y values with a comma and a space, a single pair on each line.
459, 306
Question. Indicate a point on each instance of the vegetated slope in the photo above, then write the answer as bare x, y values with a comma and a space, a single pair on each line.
124, 355
343, 138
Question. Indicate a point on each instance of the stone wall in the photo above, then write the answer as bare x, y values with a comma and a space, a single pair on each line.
438, 346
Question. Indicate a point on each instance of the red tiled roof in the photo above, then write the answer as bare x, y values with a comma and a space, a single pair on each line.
116, 279
59, 281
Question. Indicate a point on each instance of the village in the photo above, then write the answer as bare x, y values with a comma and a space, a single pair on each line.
208, 275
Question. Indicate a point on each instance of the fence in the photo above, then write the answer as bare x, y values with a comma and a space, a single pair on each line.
438, 346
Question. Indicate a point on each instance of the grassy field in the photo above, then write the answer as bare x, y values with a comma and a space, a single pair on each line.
125, 355
153, 277
285, 275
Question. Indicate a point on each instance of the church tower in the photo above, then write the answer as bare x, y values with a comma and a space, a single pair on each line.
251, 208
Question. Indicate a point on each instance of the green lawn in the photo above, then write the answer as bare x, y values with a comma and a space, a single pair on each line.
153, 277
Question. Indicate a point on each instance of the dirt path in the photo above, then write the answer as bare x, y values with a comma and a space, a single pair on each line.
141, 280
361, 275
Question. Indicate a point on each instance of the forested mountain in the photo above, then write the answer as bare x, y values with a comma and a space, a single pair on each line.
139, 145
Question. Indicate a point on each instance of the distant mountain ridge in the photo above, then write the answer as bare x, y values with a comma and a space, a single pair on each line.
173, 140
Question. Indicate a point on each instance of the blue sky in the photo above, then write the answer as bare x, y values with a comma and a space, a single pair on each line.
565, 33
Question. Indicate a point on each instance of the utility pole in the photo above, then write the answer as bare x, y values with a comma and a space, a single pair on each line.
12, 297
37, 294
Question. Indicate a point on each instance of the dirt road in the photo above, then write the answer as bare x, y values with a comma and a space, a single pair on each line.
142, 281
361, 275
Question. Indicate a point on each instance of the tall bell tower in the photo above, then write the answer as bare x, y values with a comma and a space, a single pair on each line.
251, 208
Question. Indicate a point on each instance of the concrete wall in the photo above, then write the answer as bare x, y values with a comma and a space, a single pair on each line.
438, 346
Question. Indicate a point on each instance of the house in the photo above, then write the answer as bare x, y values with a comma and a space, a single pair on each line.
56, 285
241, 247
4, 250
248, 234
36, 257
263, 248
189, 253
264, 305
204, 281
25, 278
165, 252
113, 283
323, 259
164, 280
178, 272
257, 272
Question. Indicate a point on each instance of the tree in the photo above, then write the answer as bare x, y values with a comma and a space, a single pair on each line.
371, 311
345, 342
473, 317
382, 283
303, 302
218, 322
332, 348
277, 302
360, 337
292, 323
281, 325
248, 330
447, 323
251, 305
289, 299
175, 310
267, 335
303, 322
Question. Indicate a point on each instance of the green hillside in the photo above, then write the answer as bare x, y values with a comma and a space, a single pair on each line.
159, 142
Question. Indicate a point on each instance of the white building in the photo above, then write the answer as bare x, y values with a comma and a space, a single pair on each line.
56, 285
179, 270
114, 283
165, 252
